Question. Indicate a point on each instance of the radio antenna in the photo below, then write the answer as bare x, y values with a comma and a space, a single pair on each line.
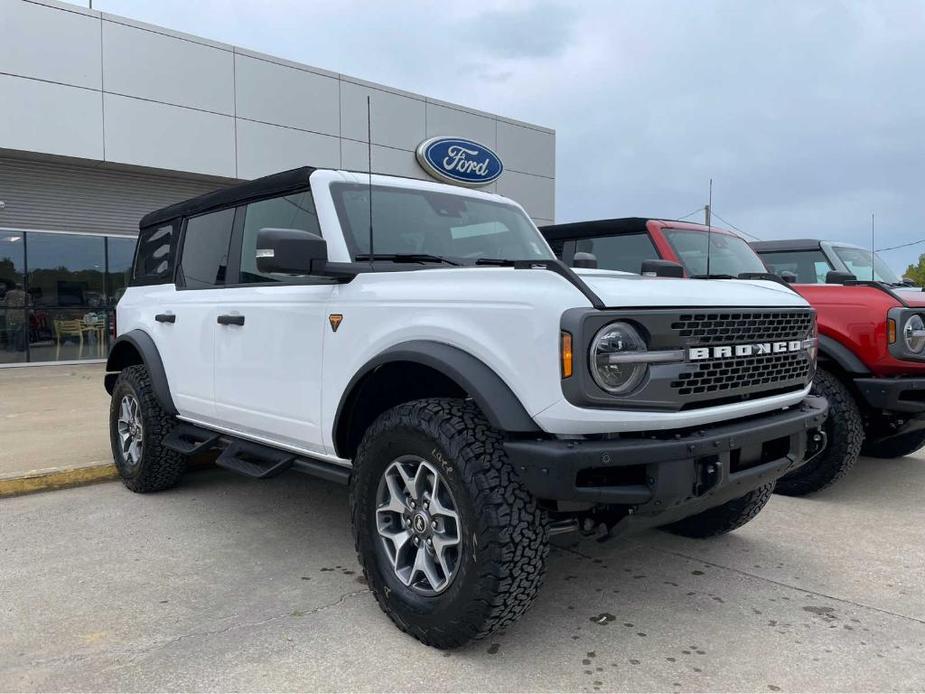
369, 175
872, 247
708, 210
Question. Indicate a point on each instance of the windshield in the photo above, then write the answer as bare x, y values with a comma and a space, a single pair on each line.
729, 255
858, 262
444, 225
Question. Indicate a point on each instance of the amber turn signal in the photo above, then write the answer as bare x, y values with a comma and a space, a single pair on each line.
891, 331
565, 350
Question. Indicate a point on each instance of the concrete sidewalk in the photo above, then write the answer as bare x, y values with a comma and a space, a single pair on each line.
53, 417
230, 584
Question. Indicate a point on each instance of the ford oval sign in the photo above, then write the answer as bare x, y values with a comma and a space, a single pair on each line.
457, 160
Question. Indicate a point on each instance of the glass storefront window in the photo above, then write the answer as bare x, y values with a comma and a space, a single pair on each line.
66, 269
13, 298
121, 252
58, 293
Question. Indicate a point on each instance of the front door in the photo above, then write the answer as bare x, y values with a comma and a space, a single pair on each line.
268, 356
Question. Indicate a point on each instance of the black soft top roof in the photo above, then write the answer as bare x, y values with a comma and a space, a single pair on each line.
786, 245
274, 184
598, 227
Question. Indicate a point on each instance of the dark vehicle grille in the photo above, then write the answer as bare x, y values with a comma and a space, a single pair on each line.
732, 327
732, 379
745, 373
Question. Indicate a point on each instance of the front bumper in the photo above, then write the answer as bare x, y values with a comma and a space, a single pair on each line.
671, 472
905, 395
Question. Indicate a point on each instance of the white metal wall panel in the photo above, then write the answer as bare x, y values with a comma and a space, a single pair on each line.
63, 197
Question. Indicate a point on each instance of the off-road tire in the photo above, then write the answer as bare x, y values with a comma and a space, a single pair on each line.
159, 468
897, 447
504, 534
725, 518
844, 428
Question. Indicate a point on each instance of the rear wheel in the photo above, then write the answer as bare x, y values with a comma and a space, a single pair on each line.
725, 518
896, 447
845, 430
452, 545
137, 427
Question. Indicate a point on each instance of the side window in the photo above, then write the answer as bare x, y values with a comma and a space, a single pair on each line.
154, 255
204, 259
295, 211
621, 252
810, 267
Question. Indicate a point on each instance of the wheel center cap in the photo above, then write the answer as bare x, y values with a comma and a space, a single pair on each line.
419, 522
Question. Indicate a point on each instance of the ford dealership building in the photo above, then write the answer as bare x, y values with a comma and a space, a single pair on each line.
105, 119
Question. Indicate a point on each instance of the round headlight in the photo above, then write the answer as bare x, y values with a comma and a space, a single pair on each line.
914, 333
612, 365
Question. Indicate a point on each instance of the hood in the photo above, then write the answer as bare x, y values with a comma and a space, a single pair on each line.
619, 289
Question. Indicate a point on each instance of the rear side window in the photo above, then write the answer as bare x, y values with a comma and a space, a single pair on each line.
204, 260
810, 267
154, 255
289, 212
622, 252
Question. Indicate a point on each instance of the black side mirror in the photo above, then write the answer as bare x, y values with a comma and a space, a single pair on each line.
291, 252
788, 277
838, 277
583, 259
662, 268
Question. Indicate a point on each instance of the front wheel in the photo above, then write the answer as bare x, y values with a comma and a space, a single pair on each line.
724, 518
844, 428
452, 545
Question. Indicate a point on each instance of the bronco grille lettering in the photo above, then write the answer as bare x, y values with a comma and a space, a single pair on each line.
757, 349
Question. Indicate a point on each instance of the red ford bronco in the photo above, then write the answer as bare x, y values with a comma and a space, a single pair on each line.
871, 333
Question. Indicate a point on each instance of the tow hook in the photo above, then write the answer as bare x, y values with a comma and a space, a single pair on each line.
816, 444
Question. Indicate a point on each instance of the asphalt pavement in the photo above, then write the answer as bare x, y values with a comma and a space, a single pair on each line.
231, 584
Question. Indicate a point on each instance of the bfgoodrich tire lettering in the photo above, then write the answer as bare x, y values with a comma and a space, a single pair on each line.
157, 467
504, 535
725, 518
845, 430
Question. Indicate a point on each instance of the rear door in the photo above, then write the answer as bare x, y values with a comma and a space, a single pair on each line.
268, 353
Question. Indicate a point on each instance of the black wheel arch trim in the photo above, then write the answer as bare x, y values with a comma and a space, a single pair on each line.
501, 407
841, 355
151, 358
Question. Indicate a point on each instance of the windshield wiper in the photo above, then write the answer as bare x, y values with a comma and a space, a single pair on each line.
713, 276
407, 258
495, 261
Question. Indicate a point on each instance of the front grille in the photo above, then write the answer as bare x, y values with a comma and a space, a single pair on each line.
745, 373
711, 382
747, 327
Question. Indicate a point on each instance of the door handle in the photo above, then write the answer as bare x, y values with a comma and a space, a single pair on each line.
165, 318
226, 319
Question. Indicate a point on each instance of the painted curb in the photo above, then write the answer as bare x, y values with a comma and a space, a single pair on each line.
55, 478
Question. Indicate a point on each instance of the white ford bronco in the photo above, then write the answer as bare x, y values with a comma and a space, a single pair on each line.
421, 343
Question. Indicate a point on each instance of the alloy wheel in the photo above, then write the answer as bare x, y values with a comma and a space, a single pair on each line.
418, 524
130, 430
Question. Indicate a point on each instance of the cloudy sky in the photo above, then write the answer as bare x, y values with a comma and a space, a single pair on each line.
808, 114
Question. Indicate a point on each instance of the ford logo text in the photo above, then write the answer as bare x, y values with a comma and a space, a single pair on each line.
457, 160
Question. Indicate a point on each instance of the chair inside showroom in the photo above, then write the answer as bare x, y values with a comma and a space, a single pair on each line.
65, 329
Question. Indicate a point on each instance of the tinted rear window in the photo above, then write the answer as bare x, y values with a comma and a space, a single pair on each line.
154, 255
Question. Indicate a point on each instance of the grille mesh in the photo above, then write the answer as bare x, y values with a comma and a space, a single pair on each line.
742, 376
734, 327
746, 373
